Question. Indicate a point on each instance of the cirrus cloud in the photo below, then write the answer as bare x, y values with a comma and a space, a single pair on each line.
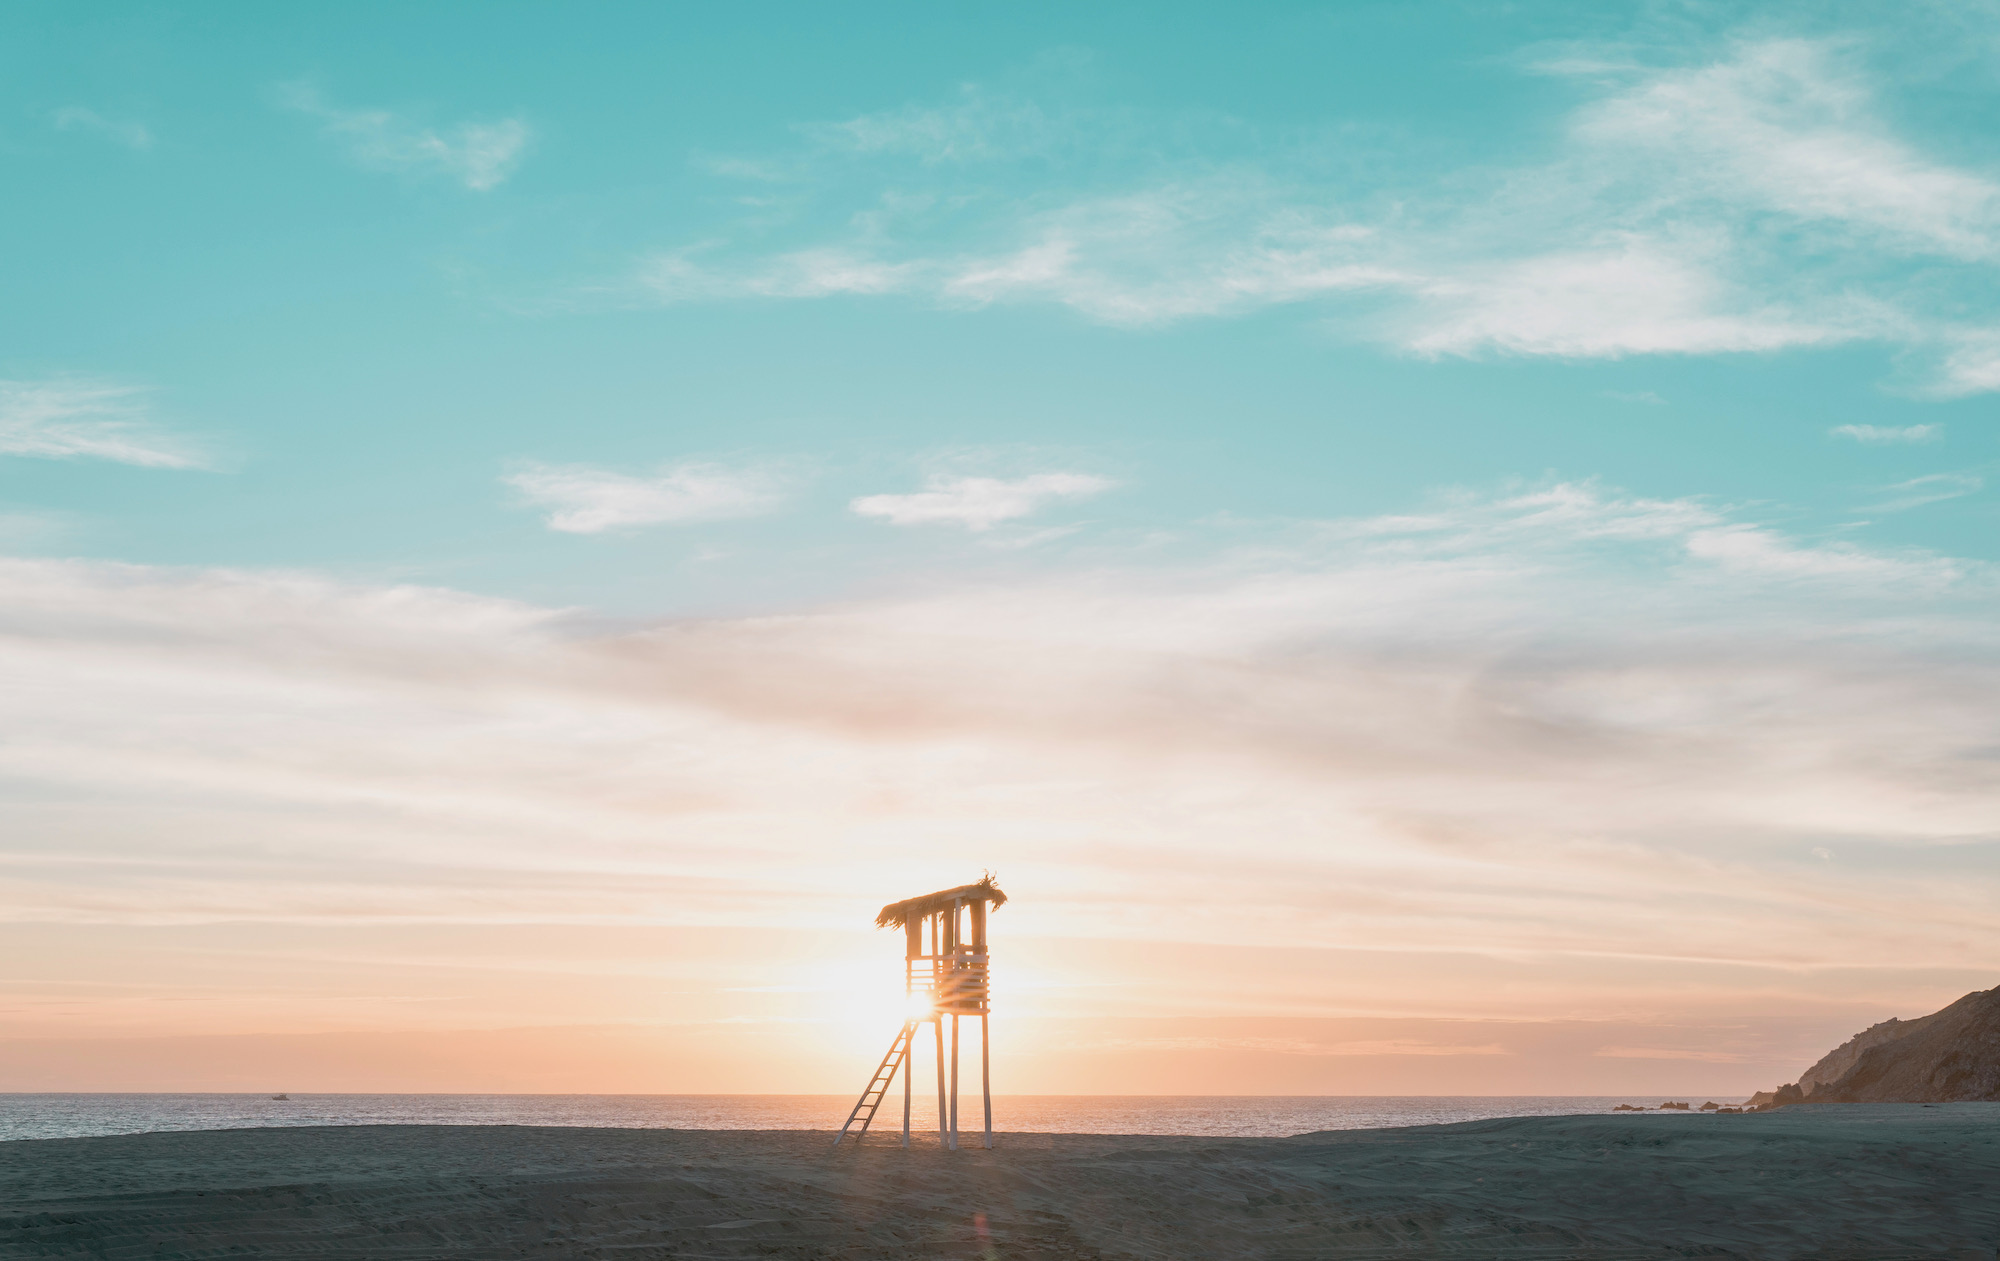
1558, 754
980, 503
1754, 202
1559, 720
479, 155
586, 500
1879, 435
1929, 489
131, 134
77, 418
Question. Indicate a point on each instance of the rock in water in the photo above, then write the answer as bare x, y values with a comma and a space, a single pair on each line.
1948, 1056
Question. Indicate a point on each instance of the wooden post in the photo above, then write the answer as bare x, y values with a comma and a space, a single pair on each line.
951, 917
957, 981
986, 1075
913, 949
937, 1022
985, 1029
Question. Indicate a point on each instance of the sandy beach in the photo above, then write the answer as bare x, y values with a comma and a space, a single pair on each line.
1872, 1181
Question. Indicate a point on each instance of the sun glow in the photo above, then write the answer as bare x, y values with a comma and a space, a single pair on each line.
863, 998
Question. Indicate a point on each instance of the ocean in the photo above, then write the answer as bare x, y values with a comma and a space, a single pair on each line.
35, 1116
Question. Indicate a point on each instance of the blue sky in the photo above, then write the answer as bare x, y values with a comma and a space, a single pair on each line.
1537, 453
759, 246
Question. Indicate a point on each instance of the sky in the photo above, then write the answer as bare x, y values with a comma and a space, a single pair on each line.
1433, 547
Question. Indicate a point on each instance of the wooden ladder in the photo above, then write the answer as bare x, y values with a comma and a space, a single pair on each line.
878, 1085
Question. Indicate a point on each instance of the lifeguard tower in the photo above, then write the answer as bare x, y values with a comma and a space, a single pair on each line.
948, 980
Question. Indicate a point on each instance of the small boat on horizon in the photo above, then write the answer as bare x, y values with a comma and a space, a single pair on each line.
281, 1098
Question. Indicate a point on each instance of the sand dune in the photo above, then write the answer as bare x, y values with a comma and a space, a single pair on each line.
1853, 1181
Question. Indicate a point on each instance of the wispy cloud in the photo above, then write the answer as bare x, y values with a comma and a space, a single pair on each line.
585, 500
1971, 363
133, 135
479, 155
978, 125
980, 503
683, 276
1559, 721
1538, 756
1103, 257
72, 418
1790, 126
1930, 489
1753, 203
1670, 1053
25, 530
1881, 435
1635, 294
1296, 1046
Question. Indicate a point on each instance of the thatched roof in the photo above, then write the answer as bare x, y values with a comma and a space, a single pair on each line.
897, 914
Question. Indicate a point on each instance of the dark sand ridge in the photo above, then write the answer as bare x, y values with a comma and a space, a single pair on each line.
1876, 1181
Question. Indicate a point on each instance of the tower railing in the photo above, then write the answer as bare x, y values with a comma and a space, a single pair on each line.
955, 984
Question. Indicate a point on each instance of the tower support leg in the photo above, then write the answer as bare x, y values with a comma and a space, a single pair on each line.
909, 1075
986, 1074
937, 1022
954, 1083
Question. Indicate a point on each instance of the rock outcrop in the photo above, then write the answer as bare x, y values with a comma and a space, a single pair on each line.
1947, 1056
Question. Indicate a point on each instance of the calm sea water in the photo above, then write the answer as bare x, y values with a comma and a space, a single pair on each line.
83, 1115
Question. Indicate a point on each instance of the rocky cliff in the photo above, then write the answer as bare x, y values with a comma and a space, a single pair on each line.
1947, 1056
